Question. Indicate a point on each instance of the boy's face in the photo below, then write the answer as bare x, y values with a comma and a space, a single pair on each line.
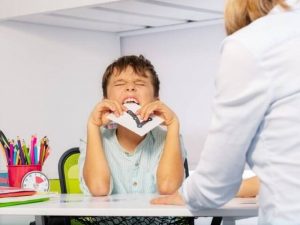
130, 87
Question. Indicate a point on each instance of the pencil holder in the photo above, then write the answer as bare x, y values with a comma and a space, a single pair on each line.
17, 172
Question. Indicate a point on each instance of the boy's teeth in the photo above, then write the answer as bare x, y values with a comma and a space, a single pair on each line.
130, 100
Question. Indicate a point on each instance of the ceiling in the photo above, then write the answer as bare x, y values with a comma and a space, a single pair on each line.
132, 15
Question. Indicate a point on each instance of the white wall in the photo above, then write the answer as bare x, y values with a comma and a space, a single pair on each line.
50, 78
187, 61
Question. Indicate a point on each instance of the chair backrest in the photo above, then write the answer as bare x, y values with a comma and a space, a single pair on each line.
68, 171
187, 173
186, 168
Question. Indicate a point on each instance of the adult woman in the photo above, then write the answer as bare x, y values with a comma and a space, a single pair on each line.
256, 113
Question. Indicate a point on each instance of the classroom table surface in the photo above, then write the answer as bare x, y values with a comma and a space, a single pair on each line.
125, 205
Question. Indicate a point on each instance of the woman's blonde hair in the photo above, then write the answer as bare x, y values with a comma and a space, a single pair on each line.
240, 13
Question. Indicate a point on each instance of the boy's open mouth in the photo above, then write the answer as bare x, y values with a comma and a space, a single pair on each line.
131, 100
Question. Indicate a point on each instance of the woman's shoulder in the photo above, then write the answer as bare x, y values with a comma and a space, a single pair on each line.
265, 33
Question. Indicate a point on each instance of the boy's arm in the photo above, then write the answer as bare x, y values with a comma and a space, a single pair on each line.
170, 171
96, 171
249, 188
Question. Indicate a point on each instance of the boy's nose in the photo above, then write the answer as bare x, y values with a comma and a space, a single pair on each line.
130, 87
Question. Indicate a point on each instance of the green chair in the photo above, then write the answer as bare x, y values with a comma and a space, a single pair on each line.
68, 171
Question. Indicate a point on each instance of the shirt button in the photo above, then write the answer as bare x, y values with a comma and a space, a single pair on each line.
134, 183
136, 164
128, 154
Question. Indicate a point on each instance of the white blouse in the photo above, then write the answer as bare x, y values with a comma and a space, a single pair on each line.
256, 119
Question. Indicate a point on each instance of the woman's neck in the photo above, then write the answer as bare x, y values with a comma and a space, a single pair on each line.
128, 139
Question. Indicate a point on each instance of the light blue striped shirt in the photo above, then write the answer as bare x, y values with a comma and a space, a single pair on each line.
130, 172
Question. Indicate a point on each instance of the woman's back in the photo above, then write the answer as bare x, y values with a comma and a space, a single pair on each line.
274, 155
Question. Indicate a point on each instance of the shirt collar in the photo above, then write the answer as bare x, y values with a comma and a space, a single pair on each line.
148, 139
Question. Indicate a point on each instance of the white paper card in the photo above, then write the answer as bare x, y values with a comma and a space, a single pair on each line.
131, 121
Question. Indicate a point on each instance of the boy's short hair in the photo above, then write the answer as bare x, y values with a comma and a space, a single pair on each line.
139, 65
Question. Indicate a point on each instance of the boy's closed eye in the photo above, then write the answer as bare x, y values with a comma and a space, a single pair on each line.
119, 83
139, 83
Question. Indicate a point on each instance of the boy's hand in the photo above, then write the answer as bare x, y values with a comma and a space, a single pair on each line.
98, 116
249, 188
160, 109
174, 199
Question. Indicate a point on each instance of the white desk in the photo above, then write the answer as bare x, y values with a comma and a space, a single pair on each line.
126, 205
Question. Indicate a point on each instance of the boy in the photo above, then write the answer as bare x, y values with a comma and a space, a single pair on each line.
120, 161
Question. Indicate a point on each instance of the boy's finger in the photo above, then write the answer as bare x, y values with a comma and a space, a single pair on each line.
114, 107
160, 201
146, 111
174, 199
